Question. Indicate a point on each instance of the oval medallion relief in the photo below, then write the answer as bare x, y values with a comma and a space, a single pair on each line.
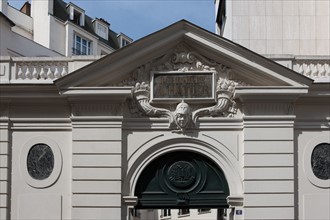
320, 161
181, 174
40, 161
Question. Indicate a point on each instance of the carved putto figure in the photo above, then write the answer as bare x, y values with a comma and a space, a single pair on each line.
182, 116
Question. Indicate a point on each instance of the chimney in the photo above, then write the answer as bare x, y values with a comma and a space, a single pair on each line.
26, 8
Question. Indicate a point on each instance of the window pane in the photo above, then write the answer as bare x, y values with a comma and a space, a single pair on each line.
81, 46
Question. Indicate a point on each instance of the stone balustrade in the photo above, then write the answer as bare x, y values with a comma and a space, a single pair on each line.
47, 69
21, 70
315, 69
41, 70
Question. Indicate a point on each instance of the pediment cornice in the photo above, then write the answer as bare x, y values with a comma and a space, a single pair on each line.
246, 65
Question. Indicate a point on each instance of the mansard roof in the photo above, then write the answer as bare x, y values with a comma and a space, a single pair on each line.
61, 13
247, 65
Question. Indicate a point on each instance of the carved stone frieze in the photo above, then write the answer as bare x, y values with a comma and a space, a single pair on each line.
97, 109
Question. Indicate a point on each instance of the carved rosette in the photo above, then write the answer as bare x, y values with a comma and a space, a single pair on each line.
182, 59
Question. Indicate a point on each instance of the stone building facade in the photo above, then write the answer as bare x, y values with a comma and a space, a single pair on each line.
249, 137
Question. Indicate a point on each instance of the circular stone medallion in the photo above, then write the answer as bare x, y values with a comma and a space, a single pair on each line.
40, 161
181, 174
320, 161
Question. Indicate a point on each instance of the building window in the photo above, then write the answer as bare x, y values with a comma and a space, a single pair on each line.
184, 212
320, 161
165, 213
76, 17
124, 42
102, 31
81, 46
76, 14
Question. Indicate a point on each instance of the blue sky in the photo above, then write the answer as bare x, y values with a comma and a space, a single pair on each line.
138, 18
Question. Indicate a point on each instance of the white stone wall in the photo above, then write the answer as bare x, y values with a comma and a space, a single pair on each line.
312, 128
41, 12
14, 44
268, 167
97, 163
58, 37
5, 154
24, 23
46, 31
104, 153
280, 27
34, 123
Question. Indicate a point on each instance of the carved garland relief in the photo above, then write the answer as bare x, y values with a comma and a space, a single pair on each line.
180, 69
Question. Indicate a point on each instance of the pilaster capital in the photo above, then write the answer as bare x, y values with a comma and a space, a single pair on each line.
130, 201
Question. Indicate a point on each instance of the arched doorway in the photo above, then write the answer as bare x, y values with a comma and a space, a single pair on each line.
182, 180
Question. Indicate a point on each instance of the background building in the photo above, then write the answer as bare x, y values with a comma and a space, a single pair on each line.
61, 27
299, 27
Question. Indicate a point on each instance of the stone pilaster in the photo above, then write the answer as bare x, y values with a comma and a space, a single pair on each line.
5, 168
96, 160
268, 167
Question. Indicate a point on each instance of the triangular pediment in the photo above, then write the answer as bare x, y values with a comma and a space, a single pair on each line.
200, 50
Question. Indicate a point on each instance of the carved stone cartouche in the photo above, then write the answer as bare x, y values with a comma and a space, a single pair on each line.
183, 59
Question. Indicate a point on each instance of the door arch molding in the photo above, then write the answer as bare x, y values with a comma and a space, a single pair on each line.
211, 149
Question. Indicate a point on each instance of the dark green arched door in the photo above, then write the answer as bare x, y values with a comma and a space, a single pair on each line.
181, 179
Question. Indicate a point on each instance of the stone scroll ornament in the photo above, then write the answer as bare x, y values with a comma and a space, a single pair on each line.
183, 117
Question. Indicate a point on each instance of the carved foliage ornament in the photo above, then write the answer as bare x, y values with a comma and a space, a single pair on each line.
182, 118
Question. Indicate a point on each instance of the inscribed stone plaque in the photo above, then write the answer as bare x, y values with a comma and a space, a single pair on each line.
183, 85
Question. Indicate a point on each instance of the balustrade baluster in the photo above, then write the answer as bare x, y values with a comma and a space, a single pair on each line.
50, 73
57, 73
20, 74
28, 74
64, 71
35, 74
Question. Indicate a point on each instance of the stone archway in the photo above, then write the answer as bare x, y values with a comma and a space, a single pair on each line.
182, 179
